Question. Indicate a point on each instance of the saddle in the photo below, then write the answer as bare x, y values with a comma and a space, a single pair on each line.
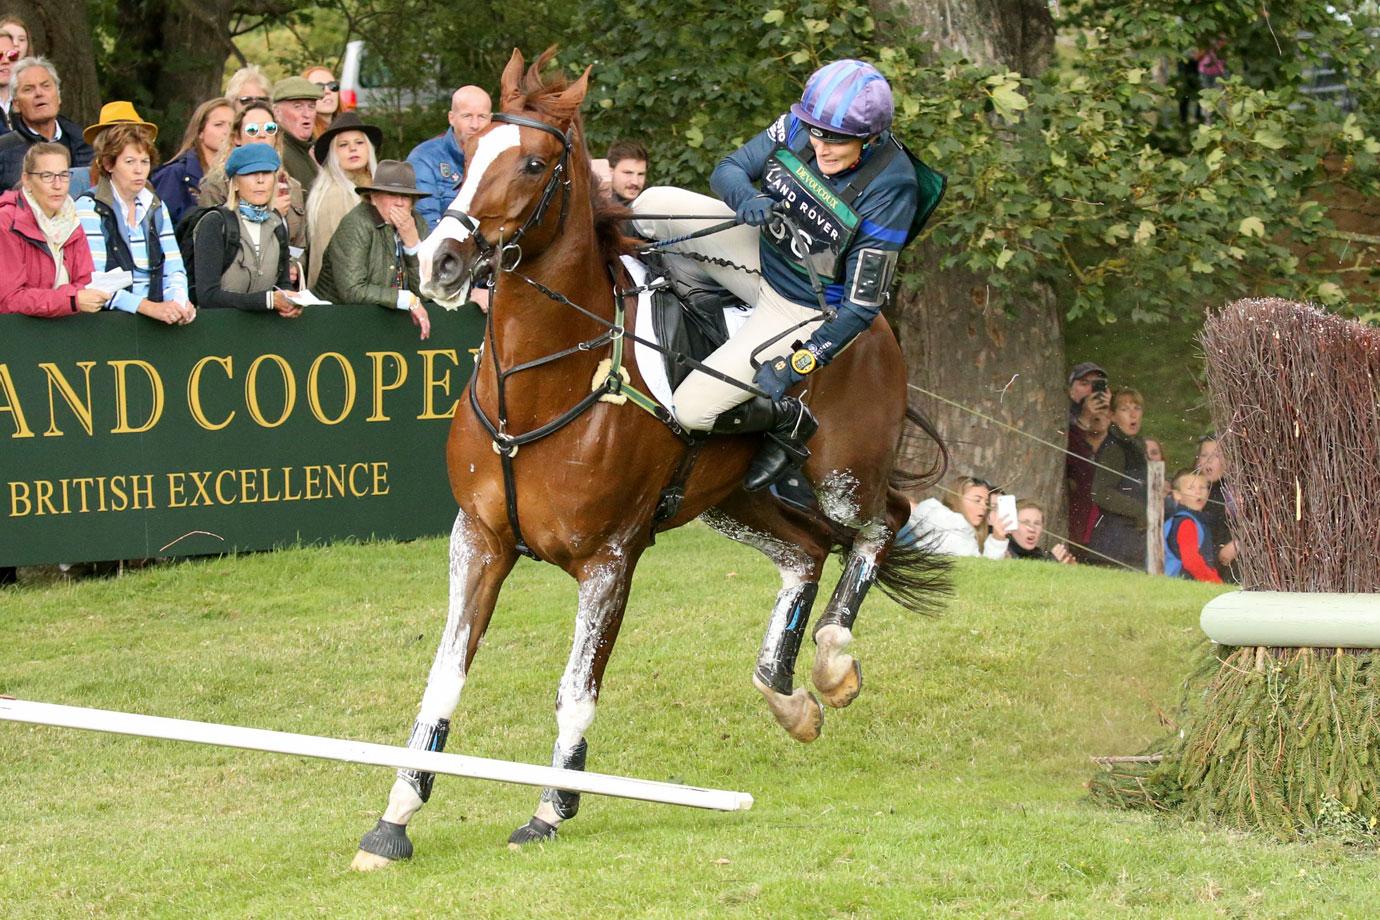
687, 320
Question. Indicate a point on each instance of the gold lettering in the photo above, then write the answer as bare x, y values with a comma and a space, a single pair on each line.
200, 481
359, 491
347, 374
66, 505
288, 494
11, 404
177, 483
194, 390
143, 489
251, 390
380, 469
84, 482
312, 474
432, 382
121, 497
335, 481
268, 497
19, 493
81, 410
122, 425
249, 487
220, 496
44, 494
379, 386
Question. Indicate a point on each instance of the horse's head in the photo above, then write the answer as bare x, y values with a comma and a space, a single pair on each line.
517, 188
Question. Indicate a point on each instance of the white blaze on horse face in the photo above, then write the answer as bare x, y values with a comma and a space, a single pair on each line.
490, 147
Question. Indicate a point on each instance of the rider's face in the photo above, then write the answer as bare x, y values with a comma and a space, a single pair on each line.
836, 156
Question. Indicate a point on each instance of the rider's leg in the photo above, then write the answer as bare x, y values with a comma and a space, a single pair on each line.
705, 403
737, 245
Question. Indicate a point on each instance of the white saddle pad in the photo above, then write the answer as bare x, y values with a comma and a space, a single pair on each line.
650, 362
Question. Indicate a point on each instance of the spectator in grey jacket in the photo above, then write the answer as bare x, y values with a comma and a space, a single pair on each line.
1119, 485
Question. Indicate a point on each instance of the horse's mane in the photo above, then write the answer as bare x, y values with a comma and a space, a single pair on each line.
542, 96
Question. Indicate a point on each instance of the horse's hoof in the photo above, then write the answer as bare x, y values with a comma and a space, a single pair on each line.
847, 690
837, 676
386, 843
799, 713
534, 831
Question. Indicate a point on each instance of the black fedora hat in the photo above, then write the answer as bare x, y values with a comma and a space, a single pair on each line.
394, 177
347, 121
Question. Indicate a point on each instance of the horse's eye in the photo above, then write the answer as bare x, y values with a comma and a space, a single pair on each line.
533, 165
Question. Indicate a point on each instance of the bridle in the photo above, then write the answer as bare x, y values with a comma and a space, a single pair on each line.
558, 180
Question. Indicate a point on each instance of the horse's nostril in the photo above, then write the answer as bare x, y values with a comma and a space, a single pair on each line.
448, 268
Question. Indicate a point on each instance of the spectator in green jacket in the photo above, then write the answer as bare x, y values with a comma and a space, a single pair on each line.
1119, 485
372, 257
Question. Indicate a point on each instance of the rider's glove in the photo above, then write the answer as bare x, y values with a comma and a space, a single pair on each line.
780, 374
756, 211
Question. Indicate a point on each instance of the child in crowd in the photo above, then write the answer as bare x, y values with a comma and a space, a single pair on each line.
1118, 486
1025, 540
1187, 537
958, 525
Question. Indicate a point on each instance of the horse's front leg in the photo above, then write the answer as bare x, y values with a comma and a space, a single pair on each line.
604, 585
478, 565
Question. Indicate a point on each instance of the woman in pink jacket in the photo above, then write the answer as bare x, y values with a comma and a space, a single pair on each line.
45, 263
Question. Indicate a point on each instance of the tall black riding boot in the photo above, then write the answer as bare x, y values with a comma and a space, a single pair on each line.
788, 425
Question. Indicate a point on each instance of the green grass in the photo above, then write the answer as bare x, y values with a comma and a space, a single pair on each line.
952, 787
1165, 363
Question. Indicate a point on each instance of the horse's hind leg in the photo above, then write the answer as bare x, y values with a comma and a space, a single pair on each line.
799, 558
478, 565
604, 585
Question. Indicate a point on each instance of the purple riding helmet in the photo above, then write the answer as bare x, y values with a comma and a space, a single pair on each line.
846, 97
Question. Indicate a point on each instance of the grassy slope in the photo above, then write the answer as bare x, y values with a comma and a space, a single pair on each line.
952, 787
1165, 363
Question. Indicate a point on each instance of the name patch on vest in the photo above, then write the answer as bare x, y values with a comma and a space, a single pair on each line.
828, 223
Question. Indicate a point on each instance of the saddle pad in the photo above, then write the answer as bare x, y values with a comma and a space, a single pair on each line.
650, 362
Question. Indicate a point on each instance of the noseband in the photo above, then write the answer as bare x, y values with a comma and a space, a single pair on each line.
557, 180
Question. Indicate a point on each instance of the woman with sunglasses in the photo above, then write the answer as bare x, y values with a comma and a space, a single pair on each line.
178, 182
255, 125
42, 245
247, 86
826, 199
329, 104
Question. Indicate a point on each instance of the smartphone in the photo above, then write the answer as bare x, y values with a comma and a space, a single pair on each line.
1006, 510
1099, 385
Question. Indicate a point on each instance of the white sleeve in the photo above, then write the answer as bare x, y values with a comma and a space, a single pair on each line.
994, 548
947, 531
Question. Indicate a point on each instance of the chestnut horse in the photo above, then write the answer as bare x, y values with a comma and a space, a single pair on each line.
542, 460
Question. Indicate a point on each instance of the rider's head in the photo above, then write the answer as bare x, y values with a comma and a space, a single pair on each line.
845, 104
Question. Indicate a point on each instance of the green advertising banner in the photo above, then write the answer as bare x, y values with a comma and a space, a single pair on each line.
122, 438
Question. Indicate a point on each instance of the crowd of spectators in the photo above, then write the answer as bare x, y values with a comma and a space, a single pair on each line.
1109, 507
245, 214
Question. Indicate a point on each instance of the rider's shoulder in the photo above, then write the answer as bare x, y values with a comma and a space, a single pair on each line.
784, 128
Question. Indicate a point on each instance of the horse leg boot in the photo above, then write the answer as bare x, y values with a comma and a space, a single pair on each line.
794, 708
788, 424
477, 569
603, 596
837, 675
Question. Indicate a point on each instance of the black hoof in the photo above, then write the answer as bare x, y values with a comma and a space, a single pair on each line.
388, 840
534, 831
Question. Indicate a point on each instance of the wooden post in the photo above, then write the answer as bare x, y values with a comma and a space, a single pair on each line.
1154, 517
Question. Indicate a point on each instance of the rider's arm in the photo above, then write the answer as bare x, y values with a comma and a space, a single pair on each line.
735, 178
886, 219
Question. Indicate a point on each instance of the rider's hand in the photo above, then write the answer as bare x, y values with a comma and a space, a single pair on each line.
780, 374
756, 211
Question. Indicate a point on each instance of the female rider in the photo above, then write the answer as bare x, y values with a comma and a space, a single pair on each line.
852, 197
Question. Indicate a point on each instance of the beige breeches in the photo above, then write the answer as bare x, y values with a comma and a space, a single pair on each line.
700, 398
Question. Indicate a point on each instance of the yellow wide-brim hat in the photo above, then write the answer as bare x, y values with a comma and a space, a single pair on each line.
117, 113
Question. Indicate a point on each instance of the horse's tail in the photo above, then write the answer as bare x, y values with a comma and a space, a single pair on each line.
912, 575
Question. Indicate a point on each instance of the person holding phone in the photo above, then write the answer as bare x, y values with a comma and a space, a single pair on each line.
959, 524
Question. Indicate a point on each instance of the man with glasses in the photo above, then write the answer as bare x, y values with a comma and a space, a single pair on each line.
827, 197
35, 118
294, 107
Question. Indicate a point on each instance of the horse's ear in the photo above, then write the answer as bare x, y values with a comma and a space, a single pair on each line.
575, 93
509, 96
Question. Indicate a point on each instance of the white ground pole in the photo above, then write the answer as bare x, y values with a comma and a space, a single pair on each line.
379, 755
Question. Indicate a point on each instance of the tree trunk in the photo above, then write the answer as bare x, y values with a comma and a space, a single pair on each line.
60, 31
1001, 357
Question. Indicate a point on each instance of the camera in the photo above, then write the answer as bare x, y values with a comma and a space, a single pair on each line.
1099, 385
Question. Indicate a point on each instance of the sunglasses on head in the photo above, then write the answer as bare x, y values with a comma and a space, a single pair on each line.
331, 87
831, 137
9, 57
267, 129
250, 100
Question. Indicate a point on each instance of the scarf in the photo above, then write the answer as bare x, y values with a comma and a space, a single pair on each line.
56, 230
253, 213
